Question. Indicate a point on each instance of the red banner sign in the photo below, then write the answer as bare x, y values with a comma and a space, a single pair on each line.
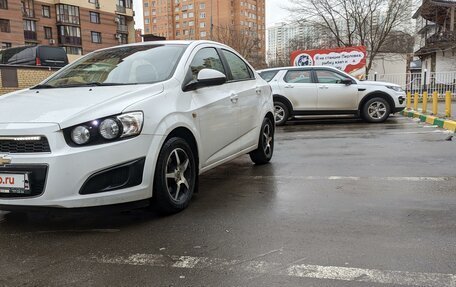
349, 59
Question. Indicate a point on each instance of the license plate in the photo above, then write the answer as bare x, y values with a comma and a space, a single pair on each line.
14, 183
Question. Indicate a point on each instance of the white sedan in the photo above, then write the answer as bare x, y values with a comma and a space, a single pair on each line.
132, 123
321, 90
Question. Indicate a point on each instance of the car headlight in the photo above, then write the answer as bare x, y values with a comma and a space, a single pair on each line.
109, 129
395, 88
80, 135
105, 130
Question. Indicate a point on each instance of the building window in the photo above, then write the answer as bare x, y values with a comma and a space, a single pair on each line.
67, 14
47, 33
191, 23
146, 21
190, 15
95, 17
203, 34
5, 45
69, 35
73, 50
5, 26
46, 11
3, 4
27, 8
96, 37
202, 24
146, 4
202, 5
123, 38
203, 15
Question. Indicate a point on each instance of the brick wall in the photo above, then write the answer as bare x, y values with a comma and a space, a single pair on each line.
26, 77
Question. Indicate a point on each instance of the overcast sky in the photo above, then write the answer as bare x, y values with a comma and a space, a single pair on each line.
274, 12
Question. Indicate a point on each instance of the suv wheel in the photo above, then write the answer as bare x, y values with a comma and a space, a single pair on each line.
263, 153
376, 110
175, 176
281, 113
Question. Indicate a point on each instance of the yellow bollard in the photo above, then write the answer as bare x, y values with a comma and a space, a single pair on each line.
425, 101
409, 100
435, 103
415, 101
448, 104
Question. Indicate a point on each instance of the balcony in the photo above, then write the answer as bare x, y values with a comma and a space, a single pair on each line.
70, 40
122, 28
30, 35
442, 39
28, 13
121, 9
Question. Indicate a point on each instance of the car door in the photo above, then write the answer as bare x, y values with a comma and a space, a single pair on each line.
217, 109
299, 88
243, 85
334, 95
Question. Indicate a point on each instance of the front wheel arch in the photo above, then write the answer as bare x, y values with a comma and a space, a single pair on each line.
377, 94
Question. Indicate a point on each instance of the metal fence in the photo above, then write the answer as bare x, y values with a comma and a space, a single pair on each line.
419, 82
428, 92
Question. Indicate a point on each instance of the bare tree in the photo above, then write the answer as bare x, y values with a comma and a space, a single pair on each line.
245, 41
368, 23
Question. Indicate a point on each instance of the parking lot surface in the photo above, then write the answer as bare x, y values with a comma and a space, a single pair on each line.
343, 203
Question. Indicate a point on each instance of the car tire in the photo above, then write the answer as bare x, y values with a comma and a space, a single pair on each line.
263, 153
175, 177
281, 113
376, 110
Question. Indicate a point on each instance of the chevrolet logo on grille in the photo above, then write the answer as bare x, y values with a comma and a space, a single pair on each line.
4, 160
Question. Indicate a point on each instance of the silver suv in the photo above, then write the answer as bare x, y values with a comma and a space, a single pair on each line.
328, 91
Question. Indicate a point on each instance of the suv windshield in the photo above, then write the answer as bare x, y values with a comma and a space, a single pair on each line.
120, 66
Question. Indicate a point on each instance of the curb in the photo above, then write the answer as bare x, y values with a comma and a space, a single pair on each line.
443, 123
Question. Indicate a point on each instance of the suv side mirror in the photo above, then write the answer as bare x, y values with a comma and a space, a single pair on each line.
205, 78
347, 81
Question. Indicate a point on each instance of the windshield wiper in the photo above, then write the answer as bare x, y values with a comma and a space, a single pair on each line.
92, 84
43, 86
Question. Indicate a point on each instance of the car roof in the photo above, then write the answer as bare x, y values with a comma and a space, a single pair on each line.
297, 68
168, 42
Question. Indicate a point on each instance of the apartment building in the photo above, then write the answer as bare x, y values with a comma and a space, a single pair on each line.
78, 26
436, 22
240, 24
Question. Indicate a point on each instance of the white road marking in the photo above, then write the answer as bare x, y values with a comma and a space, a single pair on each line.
300, 270
349, 178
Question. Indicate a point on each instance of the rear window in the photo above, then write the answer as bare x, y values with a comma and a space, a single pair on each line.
268, 75
52, 56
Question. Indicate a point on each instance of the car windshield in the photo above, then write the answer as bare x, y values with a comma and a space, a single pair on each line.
126, 65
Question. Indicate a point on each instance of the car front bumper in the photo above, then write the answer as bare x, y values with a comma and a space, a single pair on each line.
68, 169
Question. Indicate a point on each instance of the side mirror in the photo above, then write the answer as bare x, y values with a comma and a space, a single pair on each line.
347, 81
205, 78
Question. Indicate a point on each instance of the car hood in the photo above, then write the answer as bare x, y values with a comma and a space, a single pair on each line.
375, 83
71, 106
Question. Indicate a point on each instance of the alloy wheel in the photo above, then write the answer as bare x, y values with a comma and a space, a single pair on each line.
178, 175
376, 110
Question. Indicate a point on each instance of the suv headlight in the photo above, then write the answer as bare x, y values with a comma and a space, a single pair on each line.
105, 130
395, 88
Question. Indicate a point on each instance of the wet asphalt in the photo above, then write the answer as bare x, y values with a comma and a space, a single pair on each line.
368, 198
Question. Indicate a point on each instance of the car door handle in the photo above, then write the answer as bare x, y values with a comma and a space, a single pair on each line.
289, 87
324, 87
234, 99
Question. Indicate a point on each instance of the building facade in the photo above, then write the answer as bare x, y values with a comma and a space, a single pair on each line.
239, 24
280, 38
436, 44
79, 27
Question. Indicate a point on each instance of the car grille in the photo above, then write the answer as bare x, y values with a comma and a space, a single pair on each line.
33, 144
